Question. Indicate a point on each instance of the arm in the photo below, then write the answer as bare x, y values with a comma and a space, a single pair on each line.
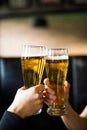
72, 120
11, 121
26, 103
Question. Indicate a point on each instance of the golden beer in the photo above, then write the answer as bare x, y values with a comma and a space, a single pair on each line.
56, 70
32, 69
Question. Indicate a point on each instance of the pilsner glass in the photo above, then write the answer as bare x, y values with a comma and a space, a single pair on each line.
56, 70
32, 62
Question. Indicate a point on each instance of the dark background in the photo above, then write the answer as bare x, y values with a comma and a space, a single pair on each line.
11, 80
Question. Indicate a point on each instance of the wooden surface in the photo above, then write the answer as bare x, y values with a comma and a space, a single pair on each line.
69, 32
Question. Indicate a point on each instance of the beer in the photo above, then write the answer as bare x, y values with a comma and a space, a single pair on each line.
32, 69
56, 70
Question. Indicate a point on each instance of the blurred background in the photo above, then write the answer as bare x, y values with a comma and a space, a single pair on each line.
53, 23
60, 23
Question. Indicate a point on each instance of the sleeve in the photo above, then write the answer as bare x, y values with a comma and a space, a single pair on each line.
11, 121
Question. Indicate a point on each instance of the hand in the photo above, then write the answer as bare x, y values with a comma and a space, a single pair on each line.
49, 94
27, 101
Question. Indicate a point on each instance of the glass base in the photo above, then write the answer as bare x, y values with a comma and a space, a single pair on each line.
56, 112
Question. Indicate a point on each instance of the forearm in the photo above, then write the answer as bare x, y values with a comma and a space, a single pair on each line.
10, 121
73, 121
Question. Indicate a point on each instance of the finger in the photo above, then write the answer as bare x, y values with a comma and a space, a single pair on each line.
67, 84
49, 90
46, 81
47, 101
40, 88
40, 94
50, 96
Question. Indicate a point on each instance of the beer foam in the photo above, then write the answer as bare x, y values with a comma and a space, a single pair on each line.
32, 55
64, 57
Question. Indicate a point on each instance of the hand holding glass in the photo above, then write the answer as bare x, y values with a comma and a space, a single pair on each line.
56, 70
32, 62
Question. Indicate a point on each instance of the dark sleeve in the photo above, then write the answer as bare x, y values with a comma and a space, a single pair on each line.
11, 121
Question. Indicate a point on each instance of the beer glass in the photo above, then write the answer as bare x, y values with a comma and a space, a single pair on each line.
56, 70
32, 62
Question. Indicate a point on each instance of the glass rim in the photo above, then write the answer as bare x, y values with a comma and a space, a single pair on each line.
34, 45
58, 48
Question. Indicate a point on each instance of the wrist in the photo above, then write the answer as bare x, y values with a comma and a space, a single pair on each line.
16, 111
